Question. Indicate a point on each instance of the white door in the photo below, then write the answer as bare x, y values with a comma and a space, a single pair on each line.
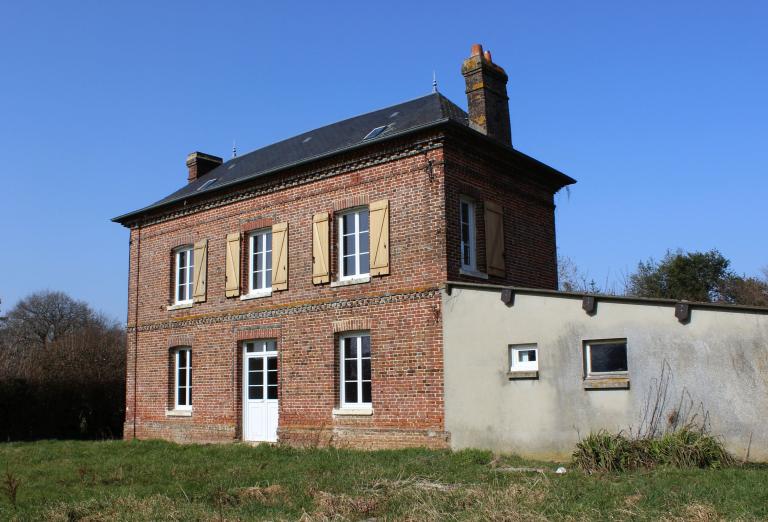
260, 391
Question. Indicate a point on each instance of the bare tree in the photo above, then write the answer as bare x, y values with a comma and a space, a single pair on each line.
62, 370
44, 317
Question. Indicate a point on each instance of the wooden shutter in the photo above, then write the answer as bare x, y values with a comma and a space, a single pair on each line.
232, 284
200, 271
494, 239
280, 256
379, 235
320, 254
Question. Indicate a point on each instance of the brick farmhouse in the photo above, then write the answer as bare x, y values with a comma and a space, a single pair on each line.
253, 249
304, 292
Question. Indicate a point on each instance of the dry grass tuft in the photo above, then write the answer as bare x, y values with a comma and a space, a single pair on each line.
338, 506
156, 507
699, 512
269, 495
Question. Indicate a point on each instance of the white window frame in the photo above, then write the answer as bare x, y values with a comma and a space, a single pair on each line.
588, 358
253, 237
515, 365
472, 266
190, 268
188, 372
358, 275
359, 405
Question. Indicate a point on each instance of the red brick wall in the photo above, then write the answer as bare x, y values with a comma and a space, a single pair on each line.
401, 310
529, 219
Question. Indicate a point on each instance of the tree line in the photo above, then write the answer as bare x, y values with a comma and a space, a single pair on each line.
62, 370
690, 276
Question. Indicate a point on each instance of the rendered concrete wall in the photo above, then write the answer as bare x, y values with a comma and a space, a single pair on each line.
720, 357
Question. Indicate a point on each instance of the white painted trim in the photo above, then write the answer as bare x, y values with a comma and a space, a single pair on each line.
352, 411
180, 306
178, 413
256, 294
189, 267
340, 221
603, 375
188, 368
472, 225
262, 235
359, 405
351, 281
527, 366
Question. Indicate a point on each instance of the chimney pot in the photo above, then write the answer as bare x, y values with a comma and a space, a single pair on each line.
487, 98
200, 164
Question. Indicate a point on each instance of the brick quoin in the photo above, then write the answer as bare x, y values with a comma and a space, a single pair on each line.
422, 175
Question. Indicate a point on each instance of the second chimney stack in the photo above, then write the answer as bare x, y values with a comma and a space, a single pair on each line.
200, 164
487, 98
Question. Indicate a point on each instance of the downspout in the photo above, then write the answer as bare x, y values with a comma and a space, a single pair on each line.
136, 328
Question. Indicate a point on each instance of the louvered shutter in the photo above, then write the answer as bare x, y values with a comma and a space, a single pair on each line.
379, 235
320, 255
200, 271
494, 239
232, 284
280, 256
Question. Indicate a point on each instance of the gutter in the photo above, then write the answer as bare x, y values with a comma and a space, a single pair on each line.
450, 285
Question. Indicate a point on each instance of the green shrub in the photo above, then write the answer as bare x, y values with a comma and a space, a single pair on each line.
683, 448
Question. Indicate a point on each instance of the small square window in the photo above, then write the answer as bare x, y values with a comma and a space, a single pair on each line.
605, 358
523, 358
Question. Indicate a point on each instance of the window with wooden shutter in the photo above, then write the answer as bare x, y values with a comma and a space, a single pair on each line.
200, 270
320, 254
379, 230
494, 239
280, 256
232, 283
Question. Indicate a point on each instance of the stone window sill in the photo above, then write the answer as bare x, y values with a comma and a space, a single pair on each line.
472, 273
180, 306
256, 294
613, 382
515, 375
351, 281
178, 413
342, 412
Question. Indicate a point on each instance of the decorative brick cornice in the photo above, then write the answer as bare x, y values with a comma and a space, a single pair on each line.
306, 176
292, 309
350, 325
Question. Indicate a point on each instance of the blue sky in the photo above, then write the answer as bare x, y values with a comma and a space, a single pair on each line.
658, 109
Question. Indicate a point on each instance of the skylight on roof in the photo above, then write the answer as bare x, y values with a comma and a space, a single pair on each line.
205, 185
375, 132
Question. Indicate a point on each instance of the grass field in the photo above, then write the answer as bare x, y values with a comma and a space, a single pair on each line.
114, 480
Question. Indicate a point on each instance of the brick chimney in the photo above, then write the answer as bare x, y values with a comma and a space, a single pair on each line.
487, 95
200, 164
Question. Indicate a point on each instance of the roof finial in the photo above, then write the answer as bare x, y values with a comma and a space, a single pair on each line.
434, 81
234, 149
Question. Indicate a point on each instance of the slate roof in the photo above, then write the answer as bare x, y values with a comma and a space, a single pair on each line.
343, 135
315, 144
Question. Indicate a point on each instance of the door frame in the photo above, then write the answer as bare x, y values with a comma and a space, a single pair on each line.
264, 353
